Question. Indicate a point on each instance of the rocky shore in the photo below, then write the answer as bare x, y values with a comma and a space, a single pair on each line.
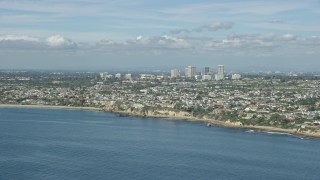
175, 115
179, 115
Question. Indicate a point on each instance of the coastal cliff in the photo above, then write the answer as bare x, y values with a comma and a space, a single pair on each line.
134, 109
171, 114
144, 111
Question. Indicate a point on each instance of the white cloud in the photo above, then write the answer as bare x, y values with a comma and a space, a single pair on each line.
139, 38
158, 42
19, 42
18, 38
174, 42
59, 41
261, 42
29, 42
142, 40
233, 43
144, 45
264, 37
289, 37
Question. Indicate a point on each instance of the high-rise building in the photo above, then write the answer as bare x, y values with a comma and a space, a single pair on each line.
128, 76
205, 71
103, 75
221, 69
175, 73
220, 73
190, 71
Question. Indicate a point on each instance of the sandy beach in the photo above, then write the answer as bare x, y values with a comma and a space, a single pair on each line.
184, 118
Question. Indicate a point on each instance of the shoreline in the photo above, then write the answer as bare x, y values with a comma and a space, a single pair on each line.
177, 118
50, 107
226, 124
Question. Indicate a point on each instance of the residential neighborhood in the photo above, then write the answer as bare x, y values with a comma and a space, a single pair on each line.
277, 101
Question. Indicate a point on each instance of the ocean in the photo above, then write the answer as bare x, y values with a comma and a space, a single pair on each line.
74, 144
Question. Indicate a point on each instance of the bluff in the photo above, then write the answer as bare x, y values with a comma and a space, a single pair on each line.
136, 109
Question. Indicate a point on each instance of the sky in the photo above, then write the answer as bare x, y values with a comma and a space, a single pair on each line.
100, 34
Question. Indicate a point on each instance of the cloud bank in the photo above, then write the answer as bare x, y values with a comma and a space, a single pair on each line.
232, 42
28, 42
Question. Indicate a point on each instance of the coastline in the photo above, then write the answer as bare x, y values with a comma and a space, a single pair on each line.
226, 124
49, 107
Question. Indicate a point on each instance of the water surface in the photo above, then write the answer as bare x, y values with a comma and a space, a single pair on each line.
72, 144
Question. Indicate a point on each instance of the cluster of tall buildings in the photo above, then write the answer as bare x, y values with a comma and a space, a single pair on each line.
191, 72
105, 75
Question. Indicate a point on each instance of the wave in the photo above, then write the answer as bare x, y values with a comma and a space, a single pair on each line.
250, 131
280, 133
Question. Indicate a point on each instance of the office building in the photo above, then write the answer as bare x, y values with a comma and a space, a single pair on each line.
103, 75
205, 71
220, 73
190, 71
175, 73
128, 76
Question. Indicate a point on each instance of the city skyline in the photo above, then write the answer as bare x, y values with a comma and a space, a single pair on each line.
96, 35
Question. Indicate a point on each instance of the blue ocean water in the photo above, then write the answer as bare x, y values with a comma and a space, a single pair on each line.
72, 144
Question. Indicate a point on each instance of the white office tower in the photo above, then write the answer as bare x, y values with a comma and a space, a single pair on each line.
175, 73
128, 76
103, 75
190, 71
236, 76
220, 73
205, 71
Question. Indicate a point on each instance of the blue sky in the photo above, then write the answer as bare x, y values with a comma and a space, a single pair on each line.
98, 34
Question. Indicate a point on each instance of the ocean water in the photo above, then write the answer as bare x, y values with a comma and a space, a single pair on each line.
72, 144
